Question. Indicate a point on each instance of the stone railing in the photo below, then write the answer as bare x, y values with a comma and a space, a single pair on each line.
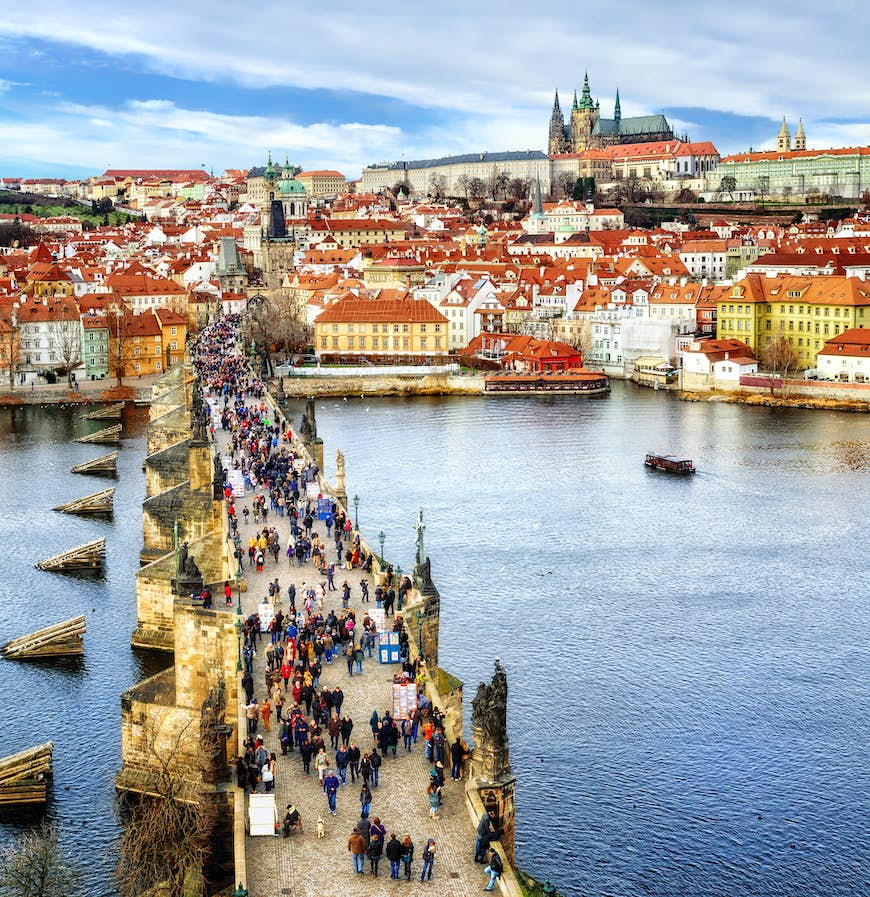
391, 370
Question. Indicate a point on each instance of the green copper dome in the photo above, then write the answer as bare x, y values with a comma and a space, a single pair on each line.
270, 174
289, 186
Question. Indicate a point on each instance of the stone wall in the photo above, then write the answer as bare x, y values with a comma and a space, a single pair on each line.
433, 384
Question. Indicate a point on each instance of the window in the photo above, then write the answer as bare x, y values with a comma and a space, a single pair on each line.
396, 341
136, 339
173, 331
157, 366
396, 330
335, 342
406, 342
362, 342
173, 345
437, 341
362, 329
323, 342
422, 328
136, 351
438, 328
350, 328
405, 328
136, 367
350, 342
423, 342
375, 343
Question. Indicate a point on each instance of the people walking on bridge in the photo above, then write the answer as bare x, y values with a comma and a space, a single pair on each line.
358, 847
394, 852
331, 784
428, 860
365, 799
407, 856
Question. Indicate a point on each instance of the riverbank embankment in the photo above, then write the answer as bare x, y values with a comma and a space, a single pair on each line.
381, 385
63, 395
777, 400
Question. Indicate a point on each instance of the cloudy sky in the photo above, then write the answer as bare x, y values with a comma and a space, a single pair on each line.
90, 85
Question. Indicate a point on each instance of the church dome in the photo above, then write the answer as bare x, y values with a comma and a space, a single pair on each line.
290, 186
270, 174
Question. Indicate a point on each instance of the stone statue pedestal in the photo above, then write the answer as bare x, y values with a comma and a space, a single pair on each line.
185, 586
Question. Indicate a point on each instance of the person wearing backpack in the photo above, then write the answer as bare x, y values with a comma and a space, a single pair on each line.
494, 869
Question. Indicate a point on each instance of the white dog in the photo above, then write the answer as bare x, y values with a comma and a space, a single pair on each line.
321, 831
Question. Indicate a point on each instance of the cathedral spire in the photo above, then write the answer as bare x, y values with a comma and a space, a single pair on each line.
557, 109
576, 105
586, 99
800, 138
617, 109
538, 206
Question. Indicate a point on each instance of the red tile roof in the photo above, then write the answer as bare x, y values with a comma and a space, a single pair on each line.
401, 311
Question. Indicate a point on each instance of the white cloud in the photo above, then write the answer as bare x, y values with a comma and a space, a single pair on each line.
490, 68
747, 59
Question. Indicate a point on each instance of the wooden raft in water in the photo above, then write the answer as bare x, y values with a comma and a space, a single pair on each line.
90, 556
110, 412
24, 776
105, 465
64, 639
109, 435
97, 503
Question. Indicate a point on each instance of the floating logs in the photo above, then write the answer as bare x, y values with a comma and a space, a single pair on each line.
109, 435
98, 503
110, 412
24, 776
104, 466
64, 639
90, 556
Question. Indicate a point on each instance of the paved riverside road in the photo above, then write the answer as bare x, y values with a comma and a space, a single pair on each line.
304, 865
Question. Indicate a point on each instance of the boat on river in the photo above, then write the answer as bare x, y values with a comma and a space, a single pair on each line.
577, 380
669, 463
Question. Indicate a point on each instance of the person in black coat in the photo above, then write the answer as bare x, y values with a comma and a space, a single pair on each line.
394, 852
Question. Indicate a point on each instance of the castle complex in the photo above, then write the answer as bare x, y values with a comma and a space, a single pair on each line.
587, 130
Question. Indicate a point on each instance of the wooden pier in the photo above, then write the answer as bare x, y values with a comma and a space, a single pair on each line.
64, 639
104, 466
98, 503
109, 435
110, 412
90, 556
24, 776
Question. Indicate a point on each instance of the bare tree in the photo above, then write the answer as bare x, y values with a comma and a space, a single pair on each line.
477, 188
276, 323
728, 185
120, 348
65, 338
519, 188
463, 183
565, 184
780, 357
437, 185
34, 866
10, 342
166, 842
502, 182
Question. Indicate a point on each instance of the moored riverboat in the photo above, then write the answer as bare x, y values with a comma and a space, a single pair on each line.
669, 463
578, 380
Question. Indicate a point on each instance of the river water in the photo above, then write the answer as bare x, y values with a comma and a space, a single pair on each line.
687, 658
72, 702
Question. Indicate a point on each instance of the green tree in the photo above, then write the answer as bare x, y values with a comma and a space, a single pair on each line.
728, 185
34, 866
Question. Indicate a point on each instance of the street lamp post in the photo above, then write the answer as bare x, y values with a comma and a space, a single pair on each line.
239, 628
382, 538
356, 512
398, 584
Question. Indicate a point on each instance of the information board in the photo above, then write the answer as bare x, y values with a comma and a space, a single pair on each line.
404, 700
377, 615
266, 612
312, 490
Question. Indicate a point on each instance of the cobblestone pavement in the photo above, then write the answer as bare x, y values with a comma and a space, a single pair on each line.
304, 865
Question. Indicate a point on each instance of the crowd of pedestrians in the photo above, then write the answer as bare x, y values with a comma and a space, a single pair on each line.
304, 634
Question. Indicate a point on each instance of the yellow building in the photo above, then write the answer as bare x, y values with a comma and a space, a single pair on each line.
173, 332
386, 331
322, 183
807, 311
